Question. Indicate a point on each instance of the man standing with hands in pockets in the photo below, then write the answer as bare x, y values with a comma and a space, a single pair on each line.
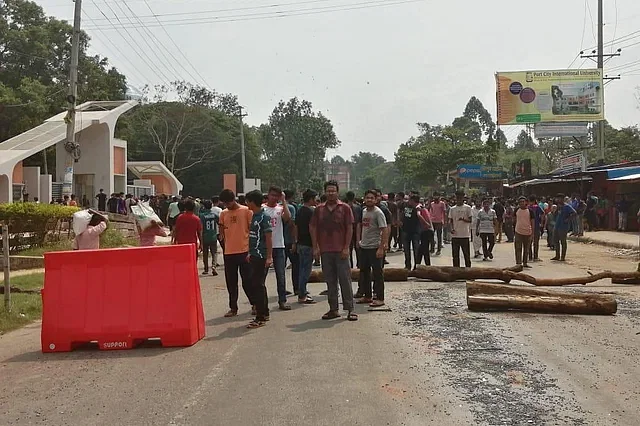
460, 217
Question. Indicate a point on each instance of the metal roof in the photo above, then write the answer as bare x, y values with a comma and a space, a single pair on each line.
153, 168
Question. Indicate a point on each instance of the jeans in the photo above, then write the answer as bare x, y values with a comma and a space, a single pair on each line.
446, 229
393, 236
305, 261
336, 272
522, 243
281, 280
560, 238
233, 263
498, 230
426, 244
488, 242
258, 289
550, 235
411, 240
368, 262
535, 245
295, 266
437, 228
456, 245
508, 231
206, 248
622, 220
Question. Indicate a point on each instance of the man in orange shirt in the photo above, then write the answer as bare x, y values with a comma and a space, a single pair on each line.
235, 222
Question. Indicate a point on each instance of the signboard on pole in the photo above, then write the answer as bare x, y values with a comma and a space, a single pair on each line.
572, 163
547, 96
555, 130
478, 171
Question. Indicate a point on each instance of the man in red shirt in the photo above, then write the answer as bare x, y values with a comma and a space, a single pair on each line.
331, 231
188, 227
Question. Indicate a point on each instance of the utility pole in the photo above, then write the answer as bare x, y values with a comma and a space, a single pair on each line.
242, 153
70, 146
6, 267
600, 137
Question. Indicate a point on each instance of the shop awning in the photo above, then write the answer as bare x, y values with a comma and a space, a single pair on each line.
615, 174
533, 182
627, 178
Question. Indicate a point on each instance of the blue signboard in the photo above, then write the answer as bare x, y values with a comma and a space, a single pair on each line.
479, 171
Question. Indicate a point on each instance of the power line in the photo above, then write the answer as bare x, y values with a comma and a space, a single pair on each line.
178, 49
584, 28
622, 66
621, 39
615, 27
140, 55
287, 13
176, 75
591, 16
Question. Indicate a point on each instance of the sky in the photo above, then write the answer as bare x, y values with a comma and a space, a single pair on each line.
374, 67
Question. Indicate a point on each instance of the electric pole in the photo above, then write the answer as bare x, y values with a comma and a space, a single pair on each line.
70, 145
242, 153
600, 137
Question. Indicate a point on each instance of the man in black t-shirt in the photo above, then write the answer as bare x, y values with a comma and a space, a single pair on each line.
102, 201
357, 218
411, 231
499, 209
303, 245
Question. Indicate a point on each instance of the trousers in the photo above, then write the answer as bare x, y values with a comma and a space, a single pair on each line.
337, 272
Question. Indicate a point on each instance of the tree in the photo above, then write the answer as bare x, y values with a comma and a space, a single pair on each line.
524, 141
368, 182
294, 142
35, 54
362, 165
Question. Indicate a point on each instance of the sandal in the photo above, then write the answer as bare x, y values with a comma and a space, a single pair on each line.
377, 304
231, 314
256, 324
284, 307
352, 316
331, 315
364, 300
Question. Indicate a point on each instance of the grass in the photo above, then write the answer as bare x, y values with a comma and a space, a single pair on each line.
25, 308
62, 245
111, 238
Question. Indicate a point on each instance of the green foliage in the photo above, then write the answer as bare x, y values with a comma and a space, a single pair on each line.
113, 238
362, 166
369, 182
25, 308
294, 144
34, 70
33, 219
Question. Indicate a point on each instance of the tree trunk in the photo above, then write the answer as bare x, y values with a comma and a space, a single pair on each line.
504, 297
451, 273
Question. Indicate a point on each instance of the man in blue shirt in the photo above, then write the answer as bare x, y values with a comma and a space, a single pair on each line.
538, 214
566, 213
260, 256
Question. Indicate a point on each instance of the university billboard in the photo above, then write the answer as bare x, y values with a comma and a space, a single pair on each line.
549, 96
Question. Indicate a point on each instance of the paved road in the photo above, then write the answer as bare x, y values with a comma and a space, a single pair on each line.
427, 362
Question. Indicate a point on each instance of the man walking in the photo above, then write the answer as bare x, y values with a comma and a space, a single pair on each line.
623, 207
289, 231
564, 218
235, 222
303, 245
524, 225
499, 209
486, 229
438, 217
357, 215
210, 220
188, 228
102, 200
260, 256
280, 215
538, 215
393, 209
475, 236
372, 238
331, 234
411, 230
460, 222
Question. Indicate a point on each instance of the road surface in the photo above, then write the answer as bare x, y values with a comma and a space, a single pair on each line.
429, 361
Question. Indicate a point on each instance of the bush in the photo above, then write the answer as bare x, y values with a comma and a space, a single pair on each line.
112, 238
33, 219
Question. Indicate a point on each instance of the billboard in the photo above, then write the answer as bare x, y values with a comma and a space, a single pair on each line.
521, 169
478, 171
556, 130
572, 163
547, 96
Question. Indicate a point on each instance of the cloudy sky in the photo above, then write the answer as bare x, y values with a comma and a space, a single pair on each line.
374, 67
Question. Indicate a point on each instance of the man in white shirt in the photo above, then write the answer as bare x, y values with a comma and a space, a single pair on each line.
278, 213
477, 242
460, 218
485, 229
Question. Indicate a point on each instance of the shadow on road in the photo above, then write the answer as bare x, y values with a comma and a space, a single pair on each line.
90, 351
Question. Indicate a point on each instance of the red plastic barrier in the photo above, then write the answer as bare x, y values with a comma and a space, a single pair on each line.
120, 297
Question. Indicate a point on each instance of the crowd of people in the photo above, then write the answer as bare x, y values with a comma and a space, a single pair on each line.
261, 231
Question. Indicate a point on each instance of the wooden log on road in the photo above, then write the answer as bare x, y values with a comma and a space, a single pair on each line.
483, 296
451, 273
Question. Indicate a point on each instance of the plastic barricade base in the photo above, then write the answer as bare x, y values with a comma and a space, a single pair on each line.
120, 298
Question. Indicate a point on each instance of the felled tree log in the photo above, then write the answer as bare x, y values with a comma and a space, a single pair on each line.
390, 275
504, 297
554, 282
451, 273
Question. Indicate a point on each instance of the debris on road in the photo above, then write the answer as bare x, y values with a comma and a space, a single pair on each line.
483, 296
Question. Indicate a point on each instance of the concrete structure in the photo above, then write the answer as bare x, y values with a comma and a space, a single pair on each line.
341, 174
154, 174
103, 160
